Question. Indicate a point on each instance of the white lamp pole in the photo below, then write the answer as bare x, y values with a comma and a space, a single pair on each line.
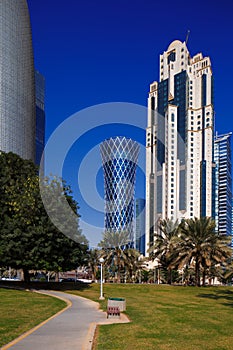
101, 279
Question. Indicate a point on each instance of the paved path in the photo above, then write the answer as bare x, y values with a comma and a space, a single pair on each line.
70, 330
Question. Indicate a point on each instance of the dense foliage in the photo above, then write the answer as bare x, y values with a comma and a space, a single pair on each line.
193, 247
29, 240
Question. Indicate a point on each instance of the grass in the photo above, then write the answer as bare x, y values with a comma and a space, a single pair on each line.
22, 310
167, 318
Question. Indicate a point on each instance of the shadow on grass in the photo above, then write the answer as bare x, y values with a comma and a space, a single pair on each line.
226, 295
60, 286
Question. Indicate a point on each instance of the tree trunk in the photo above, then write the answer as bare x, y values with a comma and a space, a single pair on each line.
118, 268
56, 276
203, 277
26, 275
197, 273
169, 276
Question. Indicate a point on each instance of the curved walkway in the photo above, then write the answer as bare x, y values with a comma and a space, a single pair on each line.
70, 329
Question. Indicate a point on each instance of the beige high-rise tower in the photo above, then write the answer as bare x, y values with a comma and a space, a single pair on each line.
180, 135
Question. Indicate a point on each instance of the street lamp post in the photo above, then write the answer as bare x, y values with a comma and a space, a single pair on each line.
101, 279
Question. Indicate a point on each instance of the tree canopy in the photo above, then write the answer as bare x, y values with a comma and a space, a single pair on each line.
192, 243
29, 240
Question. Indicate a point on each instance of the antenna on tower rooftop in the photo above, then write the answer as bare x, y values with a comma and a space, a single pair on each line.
187, 37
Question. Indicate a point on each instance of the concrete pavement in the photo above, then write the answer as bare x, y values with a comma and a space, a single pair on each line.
70, 329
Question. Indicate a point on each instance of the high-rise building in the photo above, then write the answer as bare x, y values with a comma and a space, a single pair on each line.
140, 225
17, 81
119, 159
40, 116
223, 187
232, 223
179, 165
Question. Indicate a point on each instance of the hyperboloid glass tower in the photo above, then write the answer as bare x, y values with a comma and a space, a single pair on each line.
119, 158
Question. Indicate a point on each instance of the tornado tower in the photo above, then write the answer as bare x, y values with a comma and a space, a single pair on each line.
17, 86
119, 159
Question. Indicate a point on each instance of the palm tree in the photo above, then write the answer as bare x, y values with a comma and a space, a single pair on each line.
114, 254
199, 243
93, 262
164, 245
134, 264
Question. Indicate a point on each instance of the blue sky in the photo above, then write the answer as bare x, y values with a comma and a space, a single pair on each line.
93, 52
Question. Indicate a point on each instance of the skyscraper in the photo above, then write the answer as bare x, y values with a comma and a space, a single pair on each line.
179, 164
140, 225
40, 116
223, 189
17, 92
119, 159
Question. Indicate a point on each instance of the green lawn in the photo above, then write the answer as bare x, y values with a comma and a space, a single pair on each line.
22, 310
168, 317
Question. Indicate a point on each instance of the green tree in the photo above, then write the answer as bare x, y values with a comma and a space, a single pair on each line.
133, 264
113, 246
164, 247
93, 262
200, 244
29, 240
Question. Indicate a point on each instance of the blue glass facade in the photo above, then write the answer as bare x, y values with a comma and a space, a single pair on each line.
140, 225
119, 159
223, 204
40, 116
17, 83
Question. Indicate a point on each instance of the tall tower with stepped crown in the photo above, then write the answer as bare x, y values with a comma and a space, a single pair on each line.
180, 169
